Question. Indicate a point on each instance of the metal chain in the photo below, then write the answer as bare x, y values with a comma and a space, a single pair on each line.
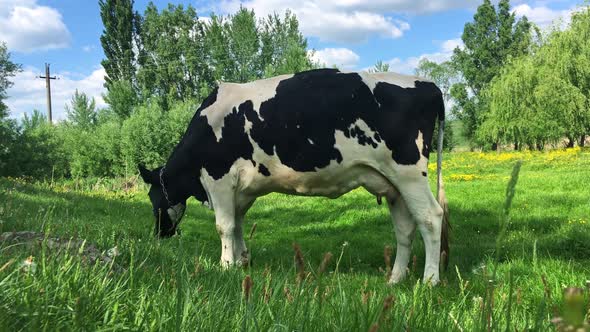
164, 187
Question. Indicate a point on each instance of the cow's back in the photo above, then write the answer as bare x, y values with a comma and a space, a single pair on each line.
316, 123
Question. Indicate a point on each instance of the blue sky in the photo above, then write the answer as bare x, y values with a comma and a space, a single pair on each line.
353, 34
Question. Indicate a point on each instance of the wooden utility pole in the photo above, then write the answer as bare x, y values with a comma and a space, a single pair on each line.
48, 86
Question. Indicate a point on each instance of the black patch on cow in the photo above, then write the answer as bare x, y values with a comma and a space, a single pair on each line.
424, 174
299, 123
263, 170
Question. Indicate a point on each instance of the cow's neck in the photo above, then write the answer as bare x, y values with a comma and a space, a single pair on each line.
183, 173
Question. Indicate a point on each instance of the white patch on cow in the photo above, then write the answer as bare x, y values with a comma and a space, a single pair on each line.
231, 95
362, 125
401, 80
176, 212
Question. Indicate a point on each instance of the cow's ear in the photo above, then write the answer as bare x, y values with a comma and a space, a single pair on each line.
146, 175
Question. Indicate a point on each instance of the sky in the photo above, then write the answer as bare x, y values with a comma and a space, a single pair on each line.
352, 34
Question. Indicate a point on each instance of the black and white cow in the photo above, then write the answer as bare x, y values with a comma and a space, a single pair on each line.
315, 133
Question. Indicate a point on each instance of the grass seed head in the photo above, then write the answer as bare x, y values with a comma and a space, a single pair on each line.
247, 287
299, 262
387, 252
287, 293
267, 294
546, 287
374, 328
325, 262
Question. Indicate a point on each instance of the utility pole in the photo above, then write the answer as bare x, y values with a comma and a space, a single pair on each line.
48, 86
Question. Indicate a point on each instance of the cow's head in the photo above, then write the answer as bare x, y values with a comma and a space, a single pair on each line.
168, 195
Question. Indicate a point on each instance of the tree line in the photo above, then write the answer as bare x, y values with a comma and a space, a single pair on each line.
511, 85
173, 56
159, 66
508, 84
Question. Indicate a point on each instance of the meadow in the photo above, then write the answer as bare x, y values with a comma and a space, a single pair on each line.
500, 278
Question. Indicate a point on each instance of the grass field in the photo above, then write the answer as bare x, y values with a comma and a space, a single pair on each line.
177, 283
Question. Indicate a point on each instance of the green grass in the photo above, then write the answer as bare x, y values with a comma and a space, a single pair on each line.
176, 284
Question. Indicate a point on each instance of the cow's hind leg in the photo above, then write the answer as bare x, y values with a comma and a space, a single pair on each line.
428, 216
405, 229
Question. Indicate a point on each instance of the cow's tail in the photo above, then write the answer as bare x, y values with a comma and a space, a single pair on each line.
442, 199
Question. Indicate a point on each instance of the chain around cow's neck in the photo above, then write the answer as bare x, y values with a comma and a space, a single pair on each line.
164, 187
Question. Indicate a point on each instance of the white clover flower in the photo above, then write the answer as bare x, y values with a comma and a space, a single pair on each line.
113, 252
28, 265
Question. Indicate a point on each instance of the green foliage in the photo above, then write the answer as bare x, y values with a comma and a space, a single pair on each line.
41, 151
380, 67
149, 135
177, 57
8, 127
119, 39
543, 97
81, 111
244, 45
7, 69
121, 98
94, 151
173, 63
444, 76
284, 49
490, 40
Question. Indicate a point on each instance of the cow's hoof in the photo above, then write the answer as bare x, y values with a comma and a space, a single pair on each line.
397, 277
432, 281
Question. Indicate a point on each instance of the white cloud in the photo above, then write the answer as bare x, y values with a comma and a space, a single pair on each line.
408, 65
88, 48
28, 92
543, 16
328, 20
28, 27
341, 57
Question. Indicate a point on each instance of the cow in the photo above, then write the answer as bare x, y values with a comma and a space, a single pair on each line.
315, 133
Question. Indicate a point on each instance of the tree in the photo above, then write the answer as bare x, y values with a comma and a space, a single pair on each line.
444, 76
491, 39
82, 110
217, 39
244, 46
121, 98
283, 49
545, 96
8, 127
36, 120
567, 52
174, 65
123, 49
7, 69
119, 39
380, 67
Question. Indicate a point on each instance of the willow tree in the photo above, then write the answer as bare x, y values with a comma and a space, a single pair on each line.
543, 97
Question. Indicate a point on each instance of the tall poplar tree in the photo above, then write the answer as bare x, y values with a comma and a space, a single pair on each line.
119, 39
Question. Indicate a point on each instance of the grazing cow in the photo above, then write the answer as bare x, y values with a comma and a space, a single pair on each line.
316, 133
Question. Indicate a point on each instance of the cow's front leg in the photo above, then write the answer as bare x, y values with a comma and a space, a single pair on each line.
233, 247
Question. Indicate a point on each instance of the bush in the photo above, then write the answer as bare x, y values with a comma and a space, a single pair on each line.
149, 134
